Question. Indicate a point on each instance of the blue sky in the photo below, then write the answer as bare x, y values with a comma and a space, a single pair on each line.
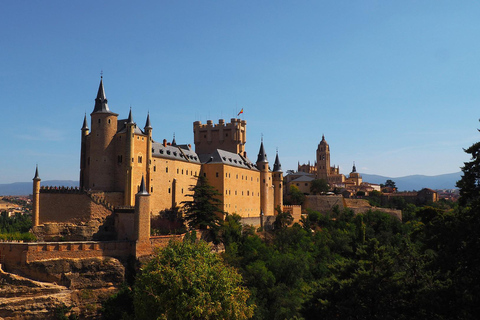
393, 85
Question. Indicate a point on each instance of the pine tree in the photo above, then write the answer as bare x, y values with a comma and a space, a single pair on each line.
203, 211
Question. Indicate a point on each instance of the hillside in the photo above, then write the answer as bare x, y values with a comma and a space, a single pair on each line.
417, 182
414, 182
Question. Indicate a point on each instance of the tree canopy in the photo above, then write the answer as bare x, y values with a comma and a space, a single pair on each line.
319, 186
187, 281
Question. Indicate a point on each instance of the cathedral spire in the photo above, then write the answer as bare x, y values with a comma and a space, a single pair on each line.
354, 169
101, 102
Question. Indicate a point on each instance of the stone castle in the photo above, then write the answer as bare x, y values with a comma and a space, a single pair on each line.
126, 177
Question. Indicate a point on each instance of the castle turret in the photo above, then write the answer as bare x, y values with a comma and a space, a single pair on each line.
129, 192
142, 213
262, 165
100, 160
36, 199
148, 131
277, 184
323, 160
143, 246
83, 154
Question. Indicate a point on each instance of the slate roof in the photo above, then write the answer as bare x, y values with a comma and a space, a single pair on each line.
304, 179
122, 127
228, 158
179, 152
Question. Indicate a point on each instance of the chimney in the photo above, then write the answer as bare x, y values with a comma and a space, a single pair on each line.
164, 142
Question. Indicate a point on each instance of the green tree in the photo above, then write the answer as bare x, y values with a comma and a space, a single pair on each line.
390, 184
319, 186
283, 219
187, 281
203, 211
296, 196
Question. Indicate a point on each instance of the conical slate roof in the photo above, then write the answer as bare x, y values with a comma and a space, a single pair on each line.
101, 102
37, 177
143, 189
277, 167
147, 124
262, 156
85, 125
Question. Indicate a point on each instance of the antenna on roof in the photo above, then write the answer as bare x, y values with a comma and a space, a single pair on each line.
101, 74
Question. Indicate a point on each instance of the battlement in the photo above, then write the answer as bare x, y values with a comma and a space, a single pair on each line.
226, 136
65, 190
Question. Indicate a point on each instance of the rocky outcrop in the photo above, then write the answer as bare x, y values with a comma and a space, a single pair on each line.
74, 286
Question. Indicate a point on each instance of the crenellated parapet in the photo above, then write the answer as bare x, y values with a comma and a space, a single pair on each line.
226, 136
65, 190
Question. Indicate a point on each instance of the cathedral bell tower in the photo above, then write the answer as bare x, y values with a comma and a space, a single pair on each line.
323, 160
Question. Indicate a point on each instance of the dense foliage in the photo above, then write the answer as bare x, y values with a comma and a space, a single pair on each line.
187, 281
16, 227
367, 266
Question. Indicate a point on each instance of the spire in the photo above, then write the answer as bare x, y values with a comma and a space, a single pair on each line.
101, 102
143, 189
174, 143
277, 167
37, 177
147, 124
130, 119
354, 169
85, 125
262, 156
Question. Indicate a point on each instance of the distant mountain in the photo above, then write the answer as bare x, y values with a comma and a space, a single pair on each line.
417, 182
26, 188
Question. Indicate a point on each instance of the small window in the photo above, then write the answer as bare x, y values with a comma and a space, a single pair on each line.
166, 169
216, 174
108, 121
139, 159
169, 190
119, 159
154, 168
99, 120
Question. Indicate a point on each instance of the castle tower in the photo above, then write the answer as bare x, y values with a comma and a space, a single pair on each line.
148, 131
129, 192
101, 154
277, 184
36, 199
142, 214
323, 160
226, 136
262, 165
83, 155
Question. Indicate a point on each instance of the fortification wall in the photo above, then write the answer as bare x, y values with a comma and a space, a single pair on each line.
15, 256
323, 203
63, 206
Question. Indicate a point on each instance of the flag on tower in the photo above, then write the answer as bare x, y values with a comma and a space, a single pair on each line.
241, 111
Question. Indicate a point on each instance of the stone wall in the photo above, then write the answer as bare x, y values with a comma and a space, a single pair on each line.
323, 203
73, 207
15, 256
